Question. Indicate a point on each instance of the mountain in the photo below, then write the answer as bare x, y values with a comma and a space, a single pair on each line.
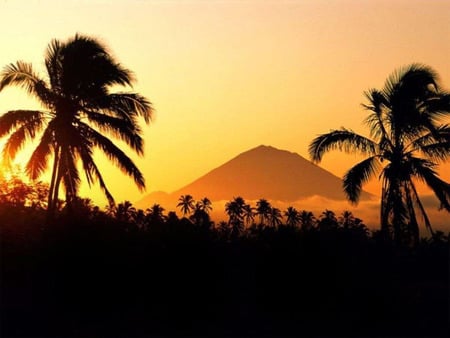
262, 172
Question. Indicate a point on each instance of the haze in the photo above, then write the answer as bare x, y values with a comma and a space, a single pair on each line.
226, 76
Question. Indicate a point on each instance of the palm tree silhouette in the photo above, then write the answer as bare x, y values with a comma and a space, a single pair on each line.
275, 217
307, 220
408, 140
186, 204
80, 112
263, 209
205, 205
292, 216
235, 211
327, 220
248, 213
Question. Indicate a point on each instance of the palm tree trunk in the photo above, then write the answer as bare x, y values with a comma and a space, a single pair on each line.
51, 194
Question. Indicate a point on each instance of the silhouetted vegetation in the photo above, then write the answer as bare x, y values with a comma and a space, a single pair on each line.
79, 112
127, 272
410, 137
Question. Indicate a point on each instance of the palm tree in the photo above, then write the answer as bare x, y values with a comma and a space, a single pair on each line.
327, 220
155, 215
125, 212
205, 205
248, 213
292, 216
346, 220
263, 208
200, 215
408, 139
275, 217
235, 210
307, 220
80, 112
186, 204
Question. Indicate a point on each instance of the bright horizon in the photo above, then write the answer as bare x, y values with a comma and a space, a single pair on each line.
227, 76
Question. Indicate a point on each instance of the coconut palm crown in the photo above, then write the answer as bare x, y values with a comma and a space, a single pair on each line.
79, 114
408, 139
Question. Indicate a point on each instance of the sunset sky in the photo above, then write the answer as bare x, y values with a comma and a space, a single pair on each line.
227, 76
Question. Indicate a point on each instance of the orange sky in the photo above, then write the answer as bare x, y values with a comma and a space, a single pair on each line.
226, 76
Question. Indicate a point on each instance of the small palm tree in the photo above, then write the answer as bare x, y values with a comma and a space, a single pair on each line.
327, 220
248, 214
235, 210
205, 205
263, 209
307, 220
186, 204
408, 140
80, 112
346, 220
155, 215
275, 217
292, 216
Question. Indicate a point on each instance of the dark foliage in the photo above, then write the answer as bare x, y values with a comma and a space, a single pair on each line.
93, 274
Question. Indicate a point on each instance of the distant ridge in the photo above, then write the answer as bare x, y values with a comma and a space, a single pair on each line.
261, 172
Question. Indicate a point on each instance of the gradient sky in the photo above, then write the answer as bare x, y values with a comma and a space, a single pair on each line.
227, 76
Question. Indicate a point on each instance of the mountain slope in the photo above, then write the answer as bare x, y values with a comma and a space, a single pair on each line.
262, 172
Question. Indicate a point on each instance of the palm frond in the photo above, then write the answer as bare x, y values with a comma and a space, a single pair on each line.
15, 118
342, 139
92, 172
19, 137
53, 64
418, 202
424, 171
117, 156
358, 175
38, 161
125, 130
23, 75
126, 105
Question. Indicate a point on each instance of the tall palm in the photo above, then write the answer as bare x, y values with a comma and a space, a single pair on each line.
186, 203
409, 138
80, 113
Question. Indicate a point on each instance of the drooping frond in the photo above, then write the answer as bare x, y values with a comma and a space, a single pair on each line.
126, 105
125, 130
419, 204
22, 74
358, 175
342, 139
424, 170
92, 172
38, 161
435, 146
117, 156
20, 136
15, 118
